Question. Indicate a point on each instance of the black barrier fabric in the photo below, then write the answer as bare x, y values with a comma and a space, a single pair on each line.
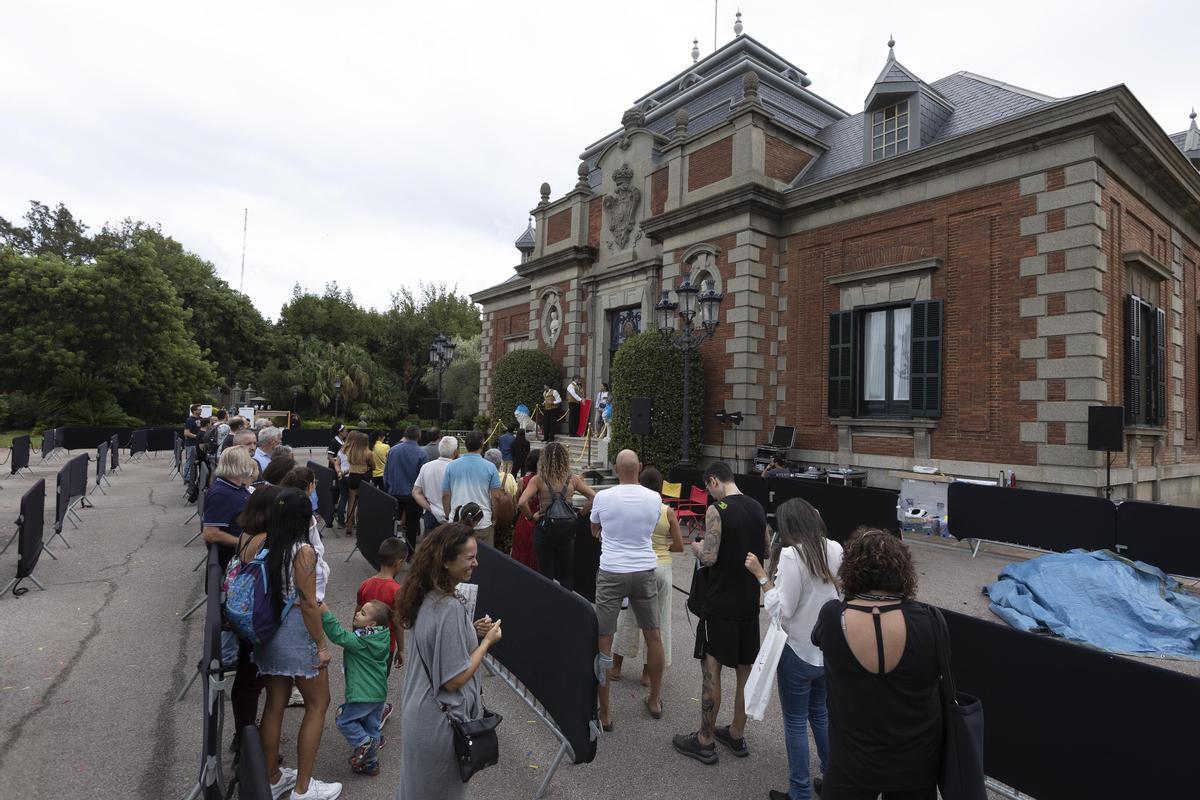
253, 783
138, 441
306, 437
62, 496
101, 462
79, 475
114, 448
31, 521
20, 454
325, 479
47, 442
161, 440
550, 642
1066, 721
687, 477
843, 508
210, 663
1047, 520
587, 560
755, 487
1166, 536
376, 521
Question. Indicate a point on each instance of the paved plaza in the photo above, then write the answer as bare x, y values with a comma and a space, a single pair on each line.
90, 670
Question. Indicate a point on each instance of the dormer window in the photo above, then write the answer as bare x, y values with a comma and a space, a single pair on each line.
889, 131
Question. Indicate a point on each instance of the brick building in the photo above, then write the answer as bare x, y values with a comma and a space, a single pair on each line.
951, 275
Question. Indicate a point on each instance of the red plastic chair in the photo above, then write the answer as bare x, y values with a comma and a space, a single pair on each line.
691, 511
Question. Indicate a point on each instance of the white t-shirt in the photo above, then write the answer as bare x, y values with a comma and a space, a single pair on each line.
797, 599
430, 480
626, 515
318, 544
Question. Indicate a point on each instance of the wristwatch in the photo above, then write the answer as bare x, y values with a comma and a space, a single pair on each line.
762, 581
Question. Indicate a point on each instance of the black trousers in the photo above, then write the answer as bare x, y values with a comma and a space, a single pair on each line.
411, 509
853, 793
246, 688
555, 555
573, 419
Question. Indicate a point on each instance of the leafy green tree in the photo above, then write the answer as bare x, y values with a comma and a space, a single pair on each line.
48, 232
518, 378
647, 366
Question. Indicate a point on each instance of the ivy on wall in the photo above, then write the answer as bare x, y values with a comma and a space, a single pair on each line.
518, 378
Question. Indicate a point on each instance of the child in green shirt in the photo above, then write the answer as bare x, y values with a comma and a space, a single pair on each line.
365, 662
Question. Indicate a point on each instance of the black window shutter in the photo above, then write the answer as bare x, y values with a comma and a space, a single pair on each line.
841, 364
1133, 359
1160, 367
925, 363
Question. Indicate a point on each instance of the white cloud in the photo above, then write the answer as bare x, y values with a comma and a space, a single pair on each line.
379, 144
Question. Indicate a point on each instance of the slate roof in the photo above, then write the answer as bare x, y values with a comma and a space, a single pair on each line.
527, 240
1179, 138
978, 103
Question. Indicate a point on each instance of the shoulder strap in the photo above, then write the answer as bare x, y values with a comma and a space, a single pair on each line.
941, 638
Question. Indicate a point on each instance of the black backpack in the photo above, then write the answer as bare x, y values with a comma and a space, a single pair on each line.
560, 517
210, 438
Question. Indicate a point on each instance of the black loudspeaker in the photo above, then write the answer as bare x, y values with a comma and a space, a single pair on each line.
429, 408
1106, 428
639, 415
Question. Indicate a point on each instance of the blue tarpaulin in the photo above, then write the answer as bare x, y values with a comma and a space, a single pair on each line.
1100, 599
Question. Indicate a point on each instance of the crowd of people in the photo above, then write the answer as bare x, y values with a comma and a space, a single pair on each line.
862, 679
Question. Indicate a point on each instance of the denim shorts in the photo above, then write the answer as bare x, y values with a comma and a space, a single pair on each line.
290, 652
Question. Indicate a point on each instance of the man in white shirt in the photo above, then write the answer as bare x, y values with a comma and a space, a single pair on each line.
623, 518
427, 490
574, 399
268, 439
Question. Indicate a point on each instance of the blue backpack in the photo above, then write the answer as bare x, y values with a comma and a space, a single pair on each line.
246, 603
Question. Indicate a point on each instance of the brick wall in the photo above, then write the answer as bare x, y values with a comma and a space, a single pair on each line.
976, 234
710, 164
595, 220
658, 191
783, 161
558, 226
506, 322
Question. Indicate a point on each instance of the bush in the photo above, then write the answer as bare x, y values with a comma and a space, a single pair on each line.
518, 378
647, 366
20, 411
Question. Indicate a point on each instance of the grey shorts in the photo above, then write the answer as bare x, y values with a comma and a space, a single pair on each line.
639, 587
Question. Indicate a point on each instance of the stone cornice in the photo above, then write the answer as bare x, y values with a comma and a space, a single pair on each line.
568, 255
1148, 262
753, 197
875, 273
500, 290
653, 262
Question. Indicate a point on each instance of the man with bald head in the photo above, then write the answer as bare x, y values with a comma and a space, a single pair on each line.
623, 518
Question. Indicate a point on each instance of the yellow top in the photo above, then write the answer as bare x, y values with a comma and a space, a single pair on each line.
660, 538
380, 452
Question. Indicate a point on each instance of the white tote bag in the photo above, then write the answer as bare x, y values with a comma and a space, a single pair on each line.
762, 674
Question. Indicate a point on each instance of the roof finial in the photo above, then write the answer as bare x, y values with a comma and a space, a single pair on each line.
695, 49
737, 24
1192, 116
891, 45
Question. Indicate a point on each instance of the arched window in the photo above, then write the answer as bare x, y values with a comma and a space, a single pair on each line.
701, 262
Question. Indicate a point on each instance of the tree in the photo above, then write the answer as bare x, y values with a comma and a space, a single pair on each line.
647, 366
519, 378
48, 232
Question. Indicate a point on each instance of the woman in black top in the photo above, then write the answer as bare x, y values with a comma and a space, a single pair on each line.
520, 452
881, 666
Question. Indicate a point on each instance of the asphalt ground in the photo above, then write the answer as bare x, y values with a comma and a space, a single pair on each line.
90, 670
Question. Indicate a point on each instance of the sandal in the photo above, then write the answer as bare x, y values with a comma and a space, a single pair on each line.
608, 726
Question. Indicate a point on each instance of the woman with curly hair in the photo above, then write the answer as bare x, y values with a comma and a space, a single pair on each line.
554, 540
881, 666
445, 653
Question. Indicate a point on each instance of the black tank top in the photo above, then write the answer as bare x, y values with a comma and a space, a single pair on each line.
733, 591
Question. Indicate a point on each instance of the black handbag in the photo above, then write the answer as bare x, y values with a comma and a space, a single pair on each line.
699, 591
476, 745
961, 774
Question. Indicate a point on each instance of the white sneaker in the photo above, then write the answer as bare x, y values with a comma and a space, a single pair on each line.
319, 790
287, 779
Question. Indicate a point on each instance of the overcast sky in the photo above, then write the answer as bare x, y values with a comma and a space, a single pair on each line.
380, 144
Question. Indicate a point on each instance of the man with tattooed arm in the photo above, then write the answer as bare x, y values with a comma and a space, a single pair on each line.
727, 631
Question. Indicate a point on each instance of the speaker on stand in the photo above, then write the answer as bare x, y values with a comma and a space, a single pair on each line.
1106, 431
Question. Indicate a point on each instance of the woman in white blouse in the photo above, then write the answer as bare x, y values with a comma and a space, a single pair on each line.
805, 563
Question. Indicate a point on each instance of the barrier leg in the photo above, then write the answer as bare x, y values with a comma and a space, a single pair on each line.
195, 515
195, 536
48, 551
201, 564
60, 536
554, 765
98, 487
193, 610
975, 545
352, 552
11, 539
105, 479
14, 581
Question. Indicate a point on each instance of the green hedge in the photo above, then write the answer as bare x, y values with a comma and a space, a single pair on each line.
646, 366
518, 378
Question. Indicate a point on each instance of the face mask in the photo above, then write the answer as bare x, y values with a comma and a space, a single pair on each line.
312, 498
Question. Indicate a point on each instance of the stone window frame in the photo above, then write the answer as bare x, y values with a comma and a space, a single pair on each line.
1144, 277
879, 121
700, 261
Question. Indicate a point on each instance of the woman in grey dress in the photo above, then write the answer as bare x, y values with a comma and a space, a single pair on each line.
445, 653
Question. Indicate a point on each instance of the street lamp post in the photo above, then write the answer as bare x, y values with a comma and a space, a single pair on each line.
441, 353
337, 395
688, 338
